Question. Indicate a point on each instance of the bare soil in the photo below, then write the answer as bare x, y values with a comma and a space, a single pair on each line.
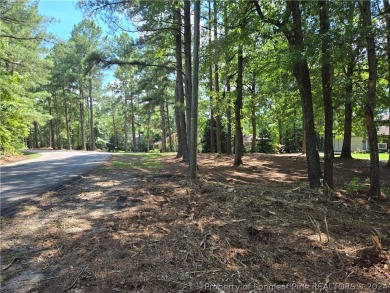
7, 159
134, 226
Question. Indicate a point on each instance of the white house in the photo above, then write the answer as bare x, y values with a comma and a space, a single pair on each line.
359, 143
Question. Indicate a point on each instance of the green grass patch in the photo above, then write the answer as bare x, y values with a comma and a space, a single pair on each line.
138, 161
30, 155
382, 156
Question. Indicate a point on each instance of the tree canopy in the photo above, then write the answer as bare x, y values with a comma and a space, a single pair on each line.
292, 75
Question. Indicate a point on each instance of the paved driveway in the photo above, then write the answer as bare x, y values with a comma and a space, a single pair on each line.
23, 180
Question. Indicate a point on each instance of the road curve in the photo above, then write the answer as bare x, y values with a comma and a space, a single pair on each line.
22, 180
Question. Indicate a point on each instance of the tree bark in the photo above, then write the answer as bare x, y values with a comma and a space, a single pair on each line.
67, 125
188, 70
115, 129
370, 100
346, 151
238, 143
179, 106
386, 7
227, 92
163, 128
51, 126
302, 75
92, 134
36, 141
229, 120
216, 76
126, 126
82, 121
212, 134
254, 130
133, 134
169, 128
326, 92
66, 119
195, 93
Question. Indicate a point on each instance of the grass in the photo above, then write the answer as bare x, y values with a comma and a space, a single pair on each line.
382, 156
138, 161
30, 155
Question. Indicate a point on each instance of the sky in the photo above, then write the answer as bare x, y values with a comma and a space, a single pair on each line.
65, 13
66, 17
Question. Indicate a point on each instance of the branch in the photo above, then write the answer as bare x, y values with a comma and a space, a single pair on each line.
261, 15
141, 30
20, 38
11, 62
111, 62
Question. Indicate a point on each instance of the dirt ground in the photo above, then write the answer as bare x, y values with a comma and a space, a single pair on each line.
5, 159
138, 224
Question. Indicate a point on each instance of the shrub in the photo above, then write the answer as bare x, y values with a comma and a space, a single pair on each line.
355, 185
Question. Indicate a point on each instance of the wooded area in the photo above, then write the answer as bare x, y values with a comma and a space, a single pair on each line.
195, 76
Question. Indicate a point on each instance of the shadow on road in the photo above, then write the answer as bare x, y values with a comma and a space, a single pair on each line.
24, 181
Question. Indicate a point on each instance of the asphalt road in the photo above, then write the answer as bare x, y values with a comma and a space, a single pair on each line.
23, 180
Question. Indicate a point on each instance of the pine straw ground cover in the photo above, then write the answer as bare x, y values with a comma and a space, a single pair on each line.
137, 224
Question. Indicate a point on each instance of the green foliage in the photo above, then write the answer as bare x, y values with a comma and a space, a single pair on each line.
205, 141
265, 143
355, 185
22, 72
100, 143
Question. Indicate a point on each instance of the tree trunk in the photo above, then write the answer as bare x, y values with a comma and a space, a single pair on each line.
326, 92
216, 75
57, 126
386, 7
115, 130
163, 129
66, 120
227, 92
148, 128
188, 70
302, 75
179, 97
126, 126
36, 141
51, 126
195, 93
303, 146
238, 143
82, 121
134, 138
254, 130
370, 100
229, 120
92, 135
212, 133
295, 132
169, 128
346, 148
67, 126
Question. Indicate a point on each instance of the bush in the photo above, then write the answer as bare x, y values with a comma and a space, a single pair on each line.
100, 143
205, 141
265, 142
355, 185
